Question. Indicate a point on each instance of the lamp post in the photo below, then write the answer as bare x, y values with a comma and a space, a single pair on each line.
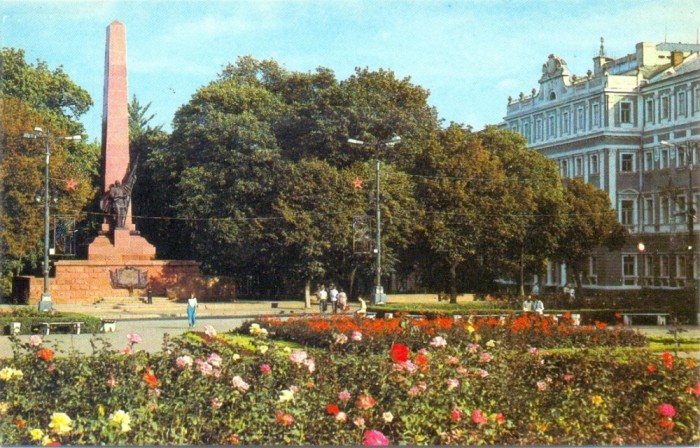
690, 221
378, 289
46, 304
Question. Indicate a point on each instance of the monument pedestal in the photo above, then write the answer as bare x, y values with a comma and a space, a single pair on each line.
124, 246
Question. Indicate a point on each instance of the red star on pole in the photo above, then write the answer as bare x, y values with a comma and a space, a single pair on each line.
357, 183
71, 184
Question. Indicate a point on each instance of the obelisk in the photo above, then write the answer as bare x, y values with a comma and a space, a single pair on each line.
115, 113
121, 243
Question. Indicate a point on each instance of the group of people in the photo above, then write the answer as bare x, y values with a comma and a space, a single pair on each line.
530, 305
337, 297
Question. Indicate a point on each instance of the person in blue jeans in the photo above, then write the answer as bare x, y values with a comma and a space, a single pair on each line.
192, 306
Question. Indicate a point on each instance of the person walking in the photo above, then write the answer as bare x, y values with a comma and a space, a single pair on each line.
322, 298
333, 293
149, 295
539, 306
342, 300
192, 306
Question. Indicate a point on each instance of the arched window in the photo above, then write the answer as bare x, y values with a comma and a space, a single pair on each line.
552, 96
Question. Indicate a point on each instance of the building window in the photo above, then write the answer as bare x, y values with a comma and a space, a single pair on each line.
526, 131
578, 167
551, 128
697, 100
514, 128
629, 269
664, 210
627, 212
648, 161
649, 265
681, 271
680, 153
626, 162
564, 168
649, 211
594, 164
538, 129
665, 108
679, 214
681, 104
663, 266
625, 112
579, 119
649, 116
664, 159
596, 115
565, 123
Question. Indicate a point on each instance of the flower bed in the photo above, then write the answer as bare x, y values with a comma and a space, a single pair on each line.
206, 391
515, 331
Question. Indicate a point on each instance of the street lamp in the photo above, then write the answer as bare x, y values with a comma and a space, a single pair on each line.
378, 289
45, 304
690, 220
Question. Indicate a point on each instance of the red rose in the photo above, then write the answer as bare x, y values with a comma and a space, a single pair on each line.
332, 409
150, 378
46, 354
399, 353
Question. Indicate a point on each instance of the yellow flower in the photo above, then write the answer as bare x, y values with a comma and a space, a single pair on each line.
263, 349
470, 329
46, 440
4, 407
236, 357
491, 343
36, 434
597, 400
8, 373
61, 423
286, 395
287, 350
120, 420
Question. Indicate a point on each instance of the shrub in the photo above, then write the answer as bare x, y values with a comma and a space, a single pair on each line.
30, 317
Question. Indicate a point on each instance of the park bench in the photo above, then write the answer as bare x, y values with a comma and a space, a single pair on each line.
660, 317
45, 327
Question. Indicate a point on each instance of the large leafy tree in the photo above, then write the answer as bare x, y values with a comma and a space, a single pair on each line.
592, 223
32, 96
539, 210
464, 192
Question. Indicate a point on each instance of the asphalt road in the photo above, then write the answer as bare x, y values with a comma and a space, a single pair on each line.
150, 330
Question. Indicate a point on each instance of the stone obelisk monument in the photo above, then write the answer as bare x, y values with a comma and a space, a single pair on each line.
120, 262
126, 245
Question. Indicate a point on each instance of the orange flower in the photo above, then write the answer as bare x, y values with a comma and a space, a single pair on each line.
150, 378
285, 419
46, 354
20, 423
365, 401
651, 368
233, 439
421, 359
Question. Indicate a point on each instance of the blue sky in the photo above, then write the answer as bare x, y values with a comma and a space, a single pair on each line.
471, 55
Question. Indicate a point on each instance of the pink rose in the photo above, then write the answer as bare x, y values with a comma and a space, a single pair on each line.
438, 342
356, 336
298, 356
134, 338
183, 362
375, 438
667, 410
344, 396
456, 414
35, 340
479, 417
265, 369
485, 357
209, 331
214, 360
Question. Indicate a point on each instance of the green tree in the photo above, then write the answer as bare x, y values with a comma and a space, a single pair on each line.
464, 192
140, 120
592, 223
22, 177
539, 211
51, 92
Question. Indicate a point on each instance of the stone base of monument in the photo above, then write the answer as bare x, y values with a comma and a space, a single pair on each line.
83, 282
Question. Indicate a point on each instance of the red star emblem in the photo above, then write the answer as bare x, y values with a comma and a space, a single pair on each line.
71, 184
357, 183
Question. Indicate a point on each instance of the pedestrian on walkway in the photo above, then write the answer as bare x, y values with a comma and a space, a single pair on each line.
149, 295
322, 298
342, 300
192, 306
333, 295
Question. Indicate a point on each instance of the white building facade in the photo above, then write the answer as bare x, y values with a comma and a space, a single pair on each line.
630, 127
